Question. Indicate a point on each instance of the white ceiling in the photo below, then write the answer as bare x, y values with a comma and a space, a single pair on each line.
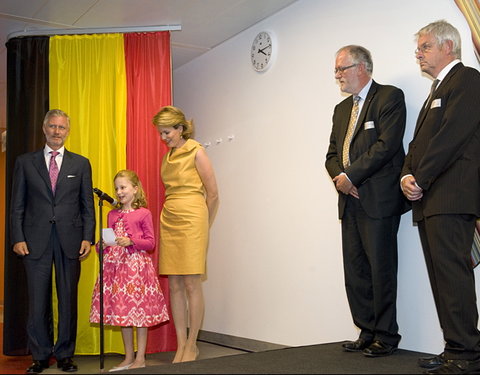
204, 23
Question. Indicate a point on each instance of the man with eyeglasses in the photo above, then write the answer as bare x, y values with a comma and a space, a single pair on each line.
52, 223
441, 177
364, 160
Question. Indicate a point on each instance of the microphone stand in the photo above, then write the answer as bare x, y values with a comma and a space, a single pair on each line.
100, 255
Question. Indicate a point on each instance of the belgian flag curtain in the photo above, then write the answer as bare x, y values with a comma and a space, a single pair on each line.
111, 85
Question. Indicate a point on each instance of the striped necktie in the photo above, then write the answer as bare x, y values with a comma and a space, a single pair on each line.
351, 129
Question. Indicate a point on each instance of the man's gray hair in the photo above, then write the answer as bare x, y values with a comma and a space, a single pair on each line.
359, 55
443, 31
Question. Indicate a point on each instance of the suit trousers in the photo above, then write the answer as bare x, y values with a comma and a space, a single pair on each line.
39, 278
447, 243
370, 260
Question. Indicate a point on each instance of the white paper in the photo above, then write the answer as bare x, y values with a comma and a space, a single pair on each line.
108, 236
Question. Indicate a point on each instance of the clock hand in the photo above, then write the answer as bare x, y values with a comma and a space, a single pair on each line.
261, 50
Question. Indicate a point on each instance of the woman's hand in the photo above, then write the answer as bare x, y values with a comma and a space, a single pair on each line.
207, 175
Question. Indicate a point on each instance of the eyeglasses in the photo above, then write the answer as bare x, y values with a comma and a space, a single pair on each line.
424, 48
341, 69
59, 127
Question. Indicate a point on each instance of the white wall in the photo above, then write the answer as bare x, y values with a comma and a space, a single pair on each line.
274, 264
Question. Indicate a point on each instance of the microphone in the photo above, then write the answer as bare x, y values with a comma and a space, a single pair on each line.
105, 196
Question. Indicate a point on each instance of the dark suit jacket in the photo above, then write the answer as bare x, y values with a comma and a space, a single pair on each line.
34, 207
444, 155
376, 151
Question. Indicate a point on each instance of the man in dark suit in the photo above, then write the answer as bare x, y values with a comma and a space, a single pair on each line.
53, 223
364, 159
441, 176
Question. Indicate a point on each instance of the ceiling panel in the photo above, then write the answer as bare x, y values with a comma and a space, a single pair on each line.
204, 23
23, 8
64, 11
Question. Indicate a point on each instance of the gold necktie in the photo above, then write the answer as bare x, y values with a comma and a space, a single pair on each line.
350, 131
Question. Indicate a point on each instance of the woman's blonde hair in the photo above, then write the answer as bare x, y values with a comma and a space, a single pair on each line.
170, 116
140, 199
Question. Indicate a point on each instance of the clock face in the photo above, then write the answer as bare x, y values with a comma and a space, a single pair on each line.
261, 52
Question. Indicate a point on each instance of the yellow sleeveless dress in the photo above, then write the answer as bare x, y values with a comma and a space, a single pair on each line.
184, 218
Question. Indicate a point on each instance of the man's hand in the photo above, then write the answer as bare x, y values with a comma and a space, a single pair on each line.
85, 249
344, 185
410, 189
21, 248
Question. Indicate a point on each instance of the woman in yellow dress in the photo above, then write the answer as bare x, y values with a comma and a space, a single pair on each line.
191, 201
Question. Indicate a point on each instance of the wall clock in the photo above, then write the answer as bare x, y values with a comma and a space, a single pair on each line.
261, 52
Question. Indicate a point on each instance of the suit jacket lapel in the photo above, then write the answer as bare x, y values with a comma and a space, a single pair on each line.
423, 112
39, 163
366, 104
62, 175
345, 121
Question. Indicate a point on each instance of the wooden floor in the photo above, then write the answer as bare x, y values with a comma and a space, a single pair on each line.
12, 365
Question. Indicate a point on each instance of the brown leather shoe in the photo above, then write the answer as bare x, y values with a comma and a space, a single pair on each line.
356, 346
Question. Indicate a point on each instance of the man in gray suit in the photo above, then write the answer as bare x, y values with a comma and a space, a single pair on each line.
441, 176
364, 160
52, 223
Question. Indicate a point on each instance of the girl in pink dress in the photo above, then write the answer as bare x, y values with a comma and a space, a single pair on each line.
132, 296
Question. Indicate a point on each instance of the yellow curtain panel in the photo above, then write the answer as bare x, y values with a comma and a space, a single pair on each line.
471, 11
88, 81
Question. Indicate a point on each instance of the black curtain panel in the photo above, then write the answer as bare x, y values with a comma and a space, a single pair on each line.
27, 103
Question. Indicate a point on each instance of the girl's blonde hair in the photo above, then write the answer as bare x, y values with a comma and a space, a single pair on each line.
140, 199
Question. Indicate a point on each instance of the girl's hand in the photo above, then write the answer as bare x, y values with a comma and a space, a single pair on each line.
97, 246
123, 241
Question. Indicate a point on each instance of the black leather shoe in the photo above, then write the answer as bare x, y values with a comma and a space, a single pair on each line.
431, 362
67, 365
37, 366
379, 349
356, 346
456, 366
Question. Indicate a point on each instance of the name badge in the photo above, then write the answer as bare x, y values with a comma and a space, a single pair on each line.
369, 125
437, 103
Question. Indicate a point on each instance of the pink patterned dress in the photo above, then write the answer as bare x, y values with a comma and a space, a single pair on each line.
132, 295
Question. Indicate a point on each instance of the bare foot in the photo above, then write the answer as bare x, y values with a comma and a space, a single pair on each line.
190, 354
137, 364
178, 356
123, 364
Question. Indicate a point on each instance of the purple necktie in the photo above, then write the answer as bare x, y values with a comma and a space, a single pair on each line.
53, 170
